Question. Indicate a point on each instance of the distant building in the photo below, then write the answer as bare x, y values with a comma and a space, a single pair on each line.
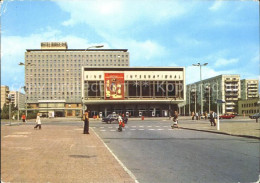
137, 91
4, 95
53, 75
224, 87
249, 89
18, 99
249, 106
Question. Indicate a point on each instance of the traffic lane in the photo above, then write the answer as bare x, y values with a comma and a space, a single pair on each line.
234, 120
184, 156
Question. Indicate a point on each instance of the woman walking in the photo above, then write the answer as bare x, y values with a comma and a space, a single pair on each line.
38, 122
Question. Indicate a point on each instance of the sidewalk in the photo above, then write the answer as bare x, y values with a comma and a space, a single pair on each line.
248, 128
57, 154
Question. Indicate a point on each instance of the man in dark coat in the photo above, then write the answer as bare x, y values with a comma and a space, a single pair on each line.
86, 123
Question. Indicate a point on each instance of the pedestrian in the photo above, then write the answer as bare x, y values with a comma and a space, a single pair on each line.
206, 115
23, 118
197, 116
120, 123
175, 120
192, 114
215, 118
38, 122
211, 118
86, 123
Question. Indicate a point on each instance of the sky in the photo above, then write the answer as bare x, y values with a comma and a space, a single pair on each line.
224, 34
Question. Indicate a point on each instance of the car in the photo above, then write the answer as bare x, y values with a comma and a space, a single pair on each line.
110, 118
256, 115
226, 116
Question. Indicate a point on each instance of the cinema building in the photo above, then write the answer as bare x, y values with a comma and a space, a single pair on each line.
136, 91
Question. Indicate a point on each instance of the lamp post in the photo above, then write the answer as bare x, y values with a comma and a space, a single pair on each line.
19, 103
82, 90
201, 100
25, 89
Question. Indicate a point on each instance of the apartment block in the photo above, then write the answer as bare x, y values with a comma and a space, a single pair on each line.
53, 74
249, 89
4, 95
18, 99
223, 87
249, 106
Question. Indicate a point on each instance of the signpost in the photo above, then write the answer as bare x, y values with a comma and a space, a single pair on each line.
219, 102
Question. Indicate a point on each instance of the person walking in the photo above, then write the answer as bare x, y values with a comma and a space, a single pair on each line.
86, 123
197, 116
23, 118
175, 120
192, 114
120, 123
206, 115
38, 122
211, 118
215, 118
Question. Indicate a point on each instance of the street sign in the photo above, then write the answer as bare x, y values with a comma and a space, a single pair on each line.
219, 101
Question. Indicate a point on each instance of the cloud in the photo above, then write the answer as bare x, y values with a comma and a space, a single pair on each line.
118, 15
224, 62
216, 5
193, 73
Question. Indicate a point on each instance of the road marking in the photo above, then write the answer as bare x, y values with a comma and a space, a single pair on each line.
141, 126
149, 126
118, 160
157, 126
151, 129
102, 130
110, 127
101, 127
15, 136
112, 130
160, 129
165, 126
133, 126
140, 129
133, 129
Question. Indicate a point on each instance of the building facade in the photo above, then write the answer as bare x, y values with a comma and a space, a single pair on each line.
223, 87
137, 91
18, 99
53, 73
4, 95
249, 106
249, 89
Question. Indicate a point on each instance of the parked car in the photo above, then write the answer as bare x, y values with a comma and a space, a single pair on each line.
226, 116
110, 118
232, 115
256, 115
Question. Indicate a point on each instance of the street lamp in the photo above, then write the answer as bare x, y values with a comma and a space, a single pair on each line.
25, 89
201, 100
82, 90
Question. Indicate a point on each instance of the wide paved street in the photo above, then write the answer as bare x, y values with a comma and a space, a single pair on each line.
154, 152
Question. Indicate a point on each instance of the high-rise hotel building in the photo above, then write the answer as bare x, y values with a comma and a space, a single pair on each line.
53, 75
